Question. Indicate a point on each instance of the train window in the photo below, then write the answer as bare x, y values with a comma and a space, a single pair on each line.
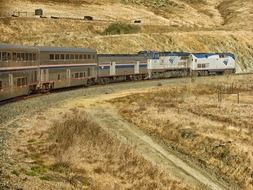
76, 75
1, 85
34, 56
72, 57
5, 56
62, 56
26, 56
88, 56
93, 57
18, 56
81, 75
199, 65
51, 56
195, 60
85, 56
67, 56
30, 57
14, 56
76, 57
59, 77
0, 56
88, 72
84, 74
80, 56
57, 56
22, 56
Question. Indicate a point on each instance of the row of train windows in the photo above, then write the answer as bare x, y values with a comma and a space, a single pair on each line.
201, 65
70, 56
82, 75
20, 82
6, 56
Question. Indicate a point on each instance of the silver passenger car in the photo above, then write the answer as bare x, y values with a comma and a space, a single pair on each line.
121, 67
67, 67
19, 70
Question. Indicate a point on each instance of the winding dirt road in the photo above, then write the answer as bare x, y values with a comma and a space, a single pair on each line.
106, 116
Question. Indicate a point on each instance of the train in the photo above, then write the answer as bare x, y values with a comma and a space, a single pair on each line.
26, 70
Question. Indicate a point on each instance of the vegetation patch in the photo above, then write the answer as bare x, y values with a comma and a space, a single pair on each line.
121, 28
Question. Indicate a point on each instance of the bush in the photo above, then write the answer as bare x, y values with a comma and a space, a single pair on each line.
121, 28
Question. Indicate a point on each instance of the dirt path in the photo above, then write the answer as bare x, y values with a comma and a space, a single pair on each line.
108, 118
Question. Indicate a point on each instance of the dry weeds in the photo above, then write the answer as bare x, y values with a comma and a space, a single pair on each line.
189, 119
76, 153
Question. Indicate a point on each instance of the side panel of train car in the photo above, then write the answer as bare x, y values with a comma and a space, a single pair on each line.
67, 67
121, 67
216, 63
19, 70
168, 64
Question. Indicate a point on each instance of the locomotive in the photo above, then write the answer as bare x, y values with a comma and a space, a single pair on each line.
25, 70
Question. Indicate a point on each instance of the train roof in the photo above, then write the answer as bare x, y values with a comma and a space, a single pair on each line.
120, 55
173, 53
62, 49
156, 54
19, 47
205, 55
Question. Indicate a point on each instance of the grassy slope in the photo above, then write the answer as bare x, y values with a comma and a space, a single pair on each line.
187, 25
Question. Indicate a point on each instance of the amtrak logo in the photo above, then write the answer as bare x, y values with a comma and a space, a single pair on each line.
225, 62
171, 60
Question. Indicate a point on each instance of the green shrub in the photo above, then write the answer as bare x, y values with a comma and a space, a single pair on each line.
121, 28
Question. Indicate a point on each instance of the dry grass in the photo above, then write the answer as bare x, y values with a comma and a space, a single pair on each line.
80, 145
189, 119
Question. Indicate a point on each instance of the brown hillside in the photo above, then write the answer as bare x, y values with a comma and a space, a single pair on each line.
187, 25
